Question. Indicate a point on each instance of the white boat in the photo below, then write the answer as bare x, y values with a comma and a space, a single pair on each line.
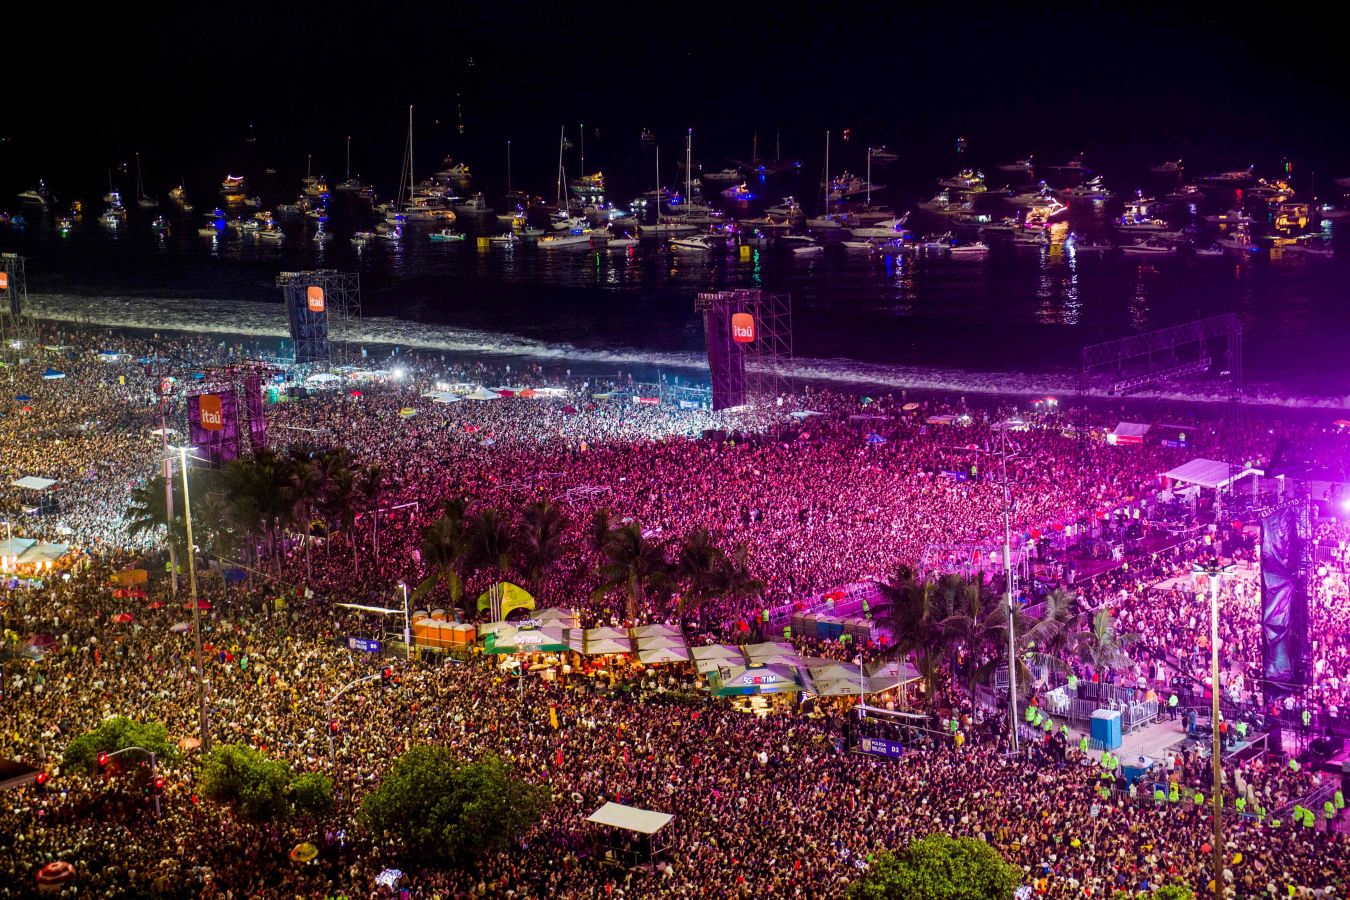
1232, 217
967, 181
272, 236
392, 235
695, 243
446, 235
110, 219
208, 231
1130, 225
1018, 167
857, 245
976, 248
846, 185
1089, 246
503, 240
1147, 249
142, 199
159, 224
565, 222
882, 155
318, 214
1006, 225
739, 193
795, 241
1170, 167
1074, 165
1187, 193
571, 241
789, 208
723, 176
38, 195
808, 250
178, 195
1039, 197
1093, 189
352, 185
943, 205
473, 206
1031, 239
887, 228
621, 243
1236, 178
1209, 252
361, 238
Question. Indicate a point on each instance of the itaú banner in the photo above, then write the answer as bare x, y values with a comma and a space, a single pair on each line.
743, 328
212, 418
314, 298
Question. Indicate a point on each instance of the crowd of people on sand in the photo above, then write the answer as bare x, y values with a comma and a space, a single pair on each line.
771, 806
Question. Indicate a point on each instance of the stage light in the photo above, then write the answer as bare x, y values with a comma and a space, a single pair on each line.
400, 373
1345, 505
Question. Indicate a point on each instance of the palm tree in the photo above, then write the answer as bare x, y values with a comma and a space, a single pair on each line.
493, 541
1096, 642
699, 568
302, 488
540, 541
976, 615
736, 581
1036, 638
340, 499
445, 548
634, 565
597, 530
148, 512
917, 613
372, 489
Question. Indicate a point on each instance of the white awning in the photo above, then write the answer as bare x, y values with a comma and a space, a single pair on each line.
1210, 473
1131, 429
34, 483
630, 818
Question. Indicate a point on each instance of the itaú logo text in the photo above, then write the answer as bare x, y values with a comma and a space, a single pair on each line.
212, 418
743, 328
314, 298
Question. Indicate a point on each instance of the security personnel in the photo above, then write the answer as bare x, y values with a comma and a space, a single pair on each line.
1172, 702
1173, 793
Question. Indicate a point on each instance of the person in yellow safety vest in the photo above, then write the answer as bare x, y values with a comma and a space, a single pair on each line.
959, 740
1298, 813
1241, 804
1049, 725
1309, 820
1083, 744
1199, 798
1064, 730
764, 616
787, 632
1158, 795
1293, 765
1340, 800
1173, 793
1329, 810
1031, 713
867, 609
1073, 682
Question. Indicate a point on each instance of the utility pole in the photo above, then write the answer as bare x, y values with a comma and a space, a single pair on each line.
1008, 597
196, 604
1214, 571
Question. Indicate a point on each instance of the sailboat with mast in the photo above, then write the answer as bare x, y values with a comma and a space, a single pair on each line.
663, 227
142, 200
350, 185
687, 209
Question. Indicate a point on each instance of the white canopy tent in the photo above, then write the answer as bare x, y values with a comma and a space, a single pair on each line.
630, 818
1128, 433
482, 393
646, 631
34, 483
1210, 473
646, 824
660, 655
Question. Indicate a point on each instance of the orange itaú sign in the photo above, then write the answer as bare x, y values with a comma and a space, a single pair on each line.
743, 328
209, 408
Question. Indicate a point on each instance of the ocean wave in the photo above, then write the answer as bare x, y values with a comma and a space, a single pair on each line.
253, 319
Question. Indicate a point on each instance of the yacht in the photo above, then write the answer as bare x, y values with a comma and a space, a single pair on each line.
1210, 252
694, 243
1236, 178
576, 239
1039, 197
315, 186
271, 236
503, 240
1074, 165
159, 224
1031, 239
1090, 246
65, 223
393, 235
623, 242
723, 176
882, 155
739, 193
1187, 193
361, 238
474, 206
564, 222
233, 184
666, 228
1232, 217
1148, 248
179, 195
789, 208
1018, 167
1236, 241
857, 246
942, 205
1170, 167
38, 196
847, 185
1270, 191
1006, 225
592, 185
967, 181
110, 219
975, 248
887, 228
807, 249
1093, 189
1330, 213
445, 235
453, 172
1136, 225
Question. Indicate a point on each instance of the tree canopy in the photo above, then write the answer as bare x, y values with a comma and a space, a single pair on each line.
439, 808
256, 787
118, 733
938, 867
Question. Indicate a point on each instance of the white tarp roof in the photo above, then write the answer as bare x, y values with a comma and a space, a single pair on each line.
599, 634
607, 645
43, 553
1210, 473
1131, 429
647, 631
630, 818
322, 378
15, 546
441, 397
660, 642
482, 393
556, 615
663, 655
34, 483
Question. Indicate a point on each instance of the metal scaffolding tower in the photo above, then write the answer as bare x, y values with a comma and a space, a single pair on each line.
18, 328
340, 306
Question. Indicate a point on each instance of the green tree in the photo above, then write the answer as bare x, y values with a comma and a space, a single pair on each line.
1174, 891
1096, 642
312, 794
918, 611
493, 542
938, 867
438, 808
118, 733
634, 565
445, 548
699, 564
256, 787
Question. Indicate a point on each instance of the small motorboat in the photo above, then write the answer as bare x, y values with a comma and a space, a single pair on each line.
1148, 248
445, 235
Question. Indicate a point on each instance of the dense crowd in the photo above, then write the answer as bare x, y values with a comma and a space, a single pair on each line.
765, 807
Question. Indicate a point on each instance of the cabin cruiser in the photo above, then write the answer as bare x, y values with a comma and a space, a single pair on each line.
846, 186
1089, 246
887, 228
474, 206
392, 235
968, 181
1148, 248
445, 235
577, 238
1170, 167
272, 236
322, 237
1187, 193
1093, 189
159, 224
1018, 166
1039, 197
1006, 225
1074, 165
39, 195
110, 219
739, 193
1129, 224
975, 248
233, 184
1236, 240
622, 242
1236, 178
1232, 217
592, 185
1270, 191
882, 155
723, 176
695, 243
1031, 239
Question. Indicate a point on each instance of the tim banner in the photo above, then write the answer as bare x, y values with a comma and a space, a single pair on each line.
213, 424
1284, 606
881, 747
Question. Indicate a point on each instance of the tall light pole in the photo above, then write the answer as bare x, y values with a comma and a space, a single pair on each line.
1214, 571
1008, 596
196, 607
407, 627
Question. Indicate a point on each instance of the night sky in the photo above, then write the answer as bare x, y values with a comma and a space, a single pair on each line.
1222, 85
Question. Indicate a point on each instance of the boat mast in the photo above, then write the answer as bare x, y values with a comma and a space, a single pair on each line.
508, 167
658, 184
869, 176
754, 152
140, 190
562, 139
410, 154
688, 163
349, 157
827, 173
582, 126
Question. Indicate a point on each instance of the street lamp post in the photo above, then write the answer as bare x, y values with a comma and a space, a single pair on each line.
1214, 571
154, 770
196, 608
1008, 595
407, 628
332, 746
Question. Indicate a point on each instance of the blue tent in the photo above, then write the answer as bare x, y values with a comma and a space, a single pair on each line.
53, 374
875, 438
23, 398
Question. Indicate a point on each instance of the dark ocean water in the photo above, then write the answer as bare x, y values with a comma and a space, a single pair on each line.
1016, 318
